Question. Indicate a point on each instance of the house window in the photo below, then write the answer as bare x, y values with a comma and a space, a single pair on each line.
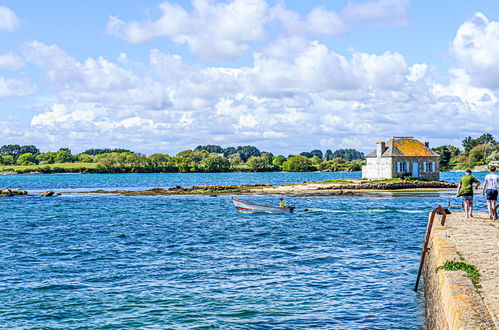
429, 166
403, 167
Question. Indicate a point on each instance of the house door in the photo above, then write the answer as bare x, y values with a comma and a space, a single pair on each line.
415, 169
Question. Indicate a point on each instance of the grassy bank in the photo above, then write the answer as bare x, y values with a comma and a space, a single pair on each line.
52, 168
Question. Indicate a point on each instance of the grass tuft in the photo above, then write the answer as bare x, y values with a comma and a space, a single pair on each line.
470, 270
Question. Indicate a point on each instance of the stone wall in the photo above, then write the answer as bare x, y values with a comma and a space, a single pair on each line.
451, 300
430, 176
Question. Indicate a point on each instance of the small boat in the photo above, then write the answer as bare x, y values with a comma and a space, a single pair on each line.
247, 206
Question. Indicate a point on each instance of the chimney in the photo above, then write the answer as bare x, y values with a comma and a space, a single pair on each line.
380, 148
427, 144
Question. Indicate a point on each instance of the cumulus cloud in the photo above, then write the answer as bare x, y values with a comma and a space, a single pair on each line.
10, 61
318, 21
220, 31
8, 20
277, 101
295, 95
223, 31
14, 88
378, 12
476, 47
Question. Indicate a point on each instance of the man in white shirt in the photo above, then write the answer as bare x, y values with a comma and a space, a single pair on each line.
490, 188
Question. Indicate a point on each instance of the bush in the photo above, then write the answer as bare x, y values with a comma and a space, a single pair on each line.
27, 159
215, 163
298, 164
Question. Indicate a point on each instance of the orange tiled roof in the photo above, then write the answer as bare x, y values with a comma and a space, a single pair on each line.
405, 146
411, 147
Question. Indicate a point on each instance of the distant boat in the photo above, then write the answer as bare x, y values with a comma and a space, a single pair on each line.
247, 206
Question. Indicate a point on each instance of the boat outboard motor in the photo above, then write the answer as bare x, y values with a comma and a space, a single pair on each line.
291, 208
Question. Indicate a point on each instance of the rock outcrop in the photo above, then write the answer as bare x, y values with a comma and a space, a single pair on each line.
7, 192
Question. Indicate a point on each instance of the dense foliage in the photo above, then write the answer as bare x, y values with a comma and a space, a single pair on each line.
476, 151
208, 158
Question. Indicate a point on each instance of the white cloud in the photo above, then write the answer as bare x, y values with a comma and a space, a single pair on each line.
224, 31
220, 31
15, 88
476, 46
10, 61
378, 12
297, 101
318, 21
8, 19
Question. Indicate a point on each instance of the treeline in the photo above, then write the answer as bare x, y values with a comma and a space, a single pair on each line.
475, 152
209, 158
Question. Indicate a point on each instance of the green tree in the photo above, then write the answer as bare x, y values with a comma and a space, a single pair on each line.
46, 157
229, 151
316, 160
211, 149
247, 151
63, 156
306, 154
479, 154
234, 159
7, 160
84, 158
298, 164
27, 159
493, 156
260, 164
447, 152
29, 149
317, 153
279, 160
328, 155
348, 154
94, 152
215, 163
13, 150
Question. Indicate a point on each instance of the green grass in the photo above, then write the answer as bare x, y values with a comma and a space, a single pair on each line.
37, 168
470, 270
386, 180
339, 181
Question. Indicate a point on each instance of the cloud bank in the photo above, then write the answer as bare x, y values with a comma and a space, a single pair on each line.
295, 94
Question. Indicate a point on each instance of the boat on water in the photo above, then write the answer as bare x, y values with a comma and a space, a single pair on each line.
252, 207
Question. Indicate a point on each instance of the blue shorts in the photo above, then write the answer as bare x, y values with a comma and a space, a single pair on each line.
491, 194
467, 197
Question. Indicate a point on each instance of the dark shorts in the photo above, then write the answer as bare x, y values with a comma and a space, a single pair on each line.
491, 194
467, 197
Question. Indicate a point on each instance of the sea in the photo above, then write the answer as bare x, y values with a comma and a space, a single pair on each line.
178, 262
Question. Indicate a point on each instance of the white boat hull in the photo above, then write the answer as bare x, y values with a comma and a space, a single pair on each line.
251, 207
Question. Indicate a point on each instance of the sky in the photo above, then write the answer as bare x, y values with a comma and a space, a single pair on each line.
284, 76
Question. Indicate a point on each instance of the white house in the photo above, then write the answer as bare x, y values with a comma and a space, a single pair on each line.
402, 156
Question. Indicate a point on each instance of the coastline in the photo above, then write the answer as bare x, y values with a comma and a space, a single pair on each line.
304, 189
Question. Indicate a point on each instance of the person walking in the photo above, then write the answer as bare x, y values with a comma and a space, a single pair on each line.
465, 189
490, 186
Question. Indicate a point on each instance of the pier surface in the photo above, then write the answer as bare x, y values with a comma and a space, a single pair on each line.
452, 300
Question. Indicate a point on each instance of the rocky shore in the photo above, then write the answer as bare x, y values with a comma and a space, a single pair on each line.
8, 192
296, 189
310, 188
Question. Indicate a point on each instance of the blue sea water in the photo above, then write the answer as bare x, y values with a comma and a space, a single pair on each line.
85, 260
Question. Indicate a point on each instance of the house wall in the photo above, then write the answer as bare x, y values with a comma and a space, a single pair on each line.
386, 168
430, 176
377, 168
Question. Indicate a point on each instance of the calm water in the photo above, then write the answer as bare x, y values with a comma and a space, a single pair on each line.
193, 261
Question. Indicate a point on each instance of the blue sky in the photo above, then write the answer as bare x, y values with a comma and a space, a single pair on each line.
286, 76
